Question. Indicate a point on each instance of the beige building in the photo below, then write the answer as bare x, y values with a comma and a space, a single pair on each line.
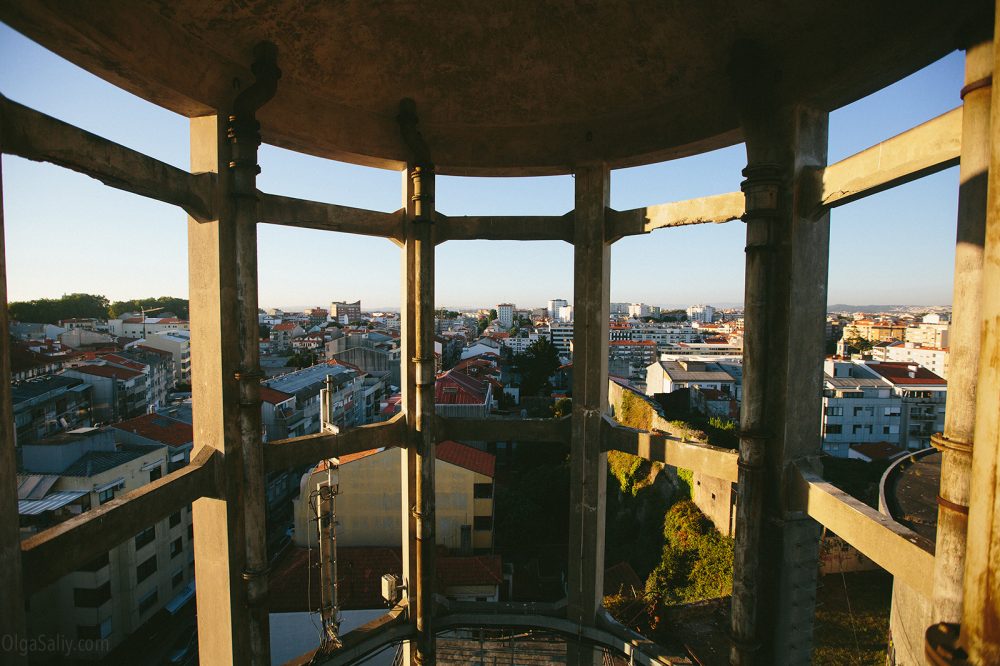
178, 343
934, 359
369, 498
931, 332
97, 606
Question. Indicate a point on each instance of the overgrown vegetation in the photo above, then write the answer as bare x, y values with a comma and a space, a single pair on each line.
628, 470
635, 412
697, 561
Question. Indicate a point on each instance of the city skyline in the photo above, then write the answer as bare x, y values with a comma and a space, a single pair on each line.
57, 222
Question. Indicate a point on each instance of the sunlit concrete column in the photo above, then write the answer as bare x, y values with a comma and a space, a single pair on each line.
980, 631
219, 524
418, 351
960, 418
12, 622
588, 465
777, 546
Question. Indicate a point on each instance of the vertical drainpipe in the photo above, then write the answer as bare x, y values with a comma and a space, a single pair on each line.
244, 138
761, 191
421, 234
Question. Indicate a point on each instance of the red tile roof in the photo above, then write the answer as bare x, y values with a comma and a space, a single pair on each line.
474, 570
109, 371
273, 396
458, 388
460, 455
466, 457
877, 450
906, 373
285, 327
122, 361
159, 428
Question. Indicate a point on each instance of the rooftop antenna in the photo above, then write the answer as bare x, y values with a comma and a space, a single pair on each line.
324, 503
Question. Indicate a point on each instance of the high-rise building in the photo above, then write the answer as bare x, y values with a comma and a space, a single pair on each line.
702, 313
505, 314
553, 307
339, 309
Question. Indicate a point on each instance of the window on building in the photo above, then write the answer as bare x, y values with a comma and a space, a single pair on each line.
176, 546
155, 473
148, 601
191, 532
834, 411
177, 578
145, 537
482, 523
482, 490
106, 495
145, 570
94, 632
91, 597
175, 519
834, 429
891, 411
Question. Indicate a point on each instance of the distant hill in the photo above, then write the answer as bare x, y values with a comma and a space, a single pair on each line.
843, 307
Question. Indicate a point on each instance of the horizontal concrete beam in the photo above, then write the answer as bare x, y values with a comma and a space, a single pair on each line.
390, 628
310, 449
706, 210
304, 214
696, 456
503, 430
61, 549
521, 228
36, 136
917, 152
895, 548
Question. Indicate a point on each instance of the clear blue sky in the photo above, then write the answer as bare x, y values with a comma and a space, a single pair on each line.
68, 233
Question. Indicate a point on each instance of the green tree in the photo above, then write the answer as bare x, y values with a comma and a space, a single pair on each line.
162, 304
51, 310
536, 365
493, 314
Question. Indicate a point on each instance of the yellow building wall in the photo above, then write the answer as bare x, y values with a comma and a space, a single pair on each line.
367, 506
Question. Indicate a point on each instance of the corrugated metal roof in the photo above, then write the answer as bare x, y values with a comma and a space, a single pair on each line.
34, 486
51, 502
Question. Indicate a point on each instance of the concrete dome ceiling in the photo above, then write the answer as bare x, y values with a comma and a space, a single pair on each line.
522, 87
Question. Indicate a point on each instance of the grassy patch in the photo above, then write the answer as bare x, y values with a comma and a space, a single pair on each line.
852, 619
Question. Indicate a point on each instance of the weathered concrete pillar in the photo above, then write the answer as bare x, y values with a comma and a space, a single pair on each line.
960, 418
981, 608
418, 354
777, 547
219, 524
588, 465
12, 622
244, 139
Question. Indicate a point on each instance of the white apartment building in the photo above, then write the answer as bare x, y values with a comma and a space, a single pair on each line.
702, 313
561, 336
103, 601
638, 310
505, 314
665, 334
553, 307
870, 402
137, 327
932, 331
933, 358
565, 314
178, 343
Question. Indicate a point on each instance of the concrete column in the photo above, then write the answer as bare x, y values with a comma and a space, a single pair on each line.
588, 465
418, 335
244, 139
12, 621
219, 524
777, 547
981, 609
960, 419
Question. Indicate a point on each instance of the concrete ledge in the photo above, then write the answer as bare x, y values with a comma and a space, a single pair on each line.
310, 449
892, 546
696, 456
36, 136
502, 430
522, 228
715, 209
57, 551
304, 214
